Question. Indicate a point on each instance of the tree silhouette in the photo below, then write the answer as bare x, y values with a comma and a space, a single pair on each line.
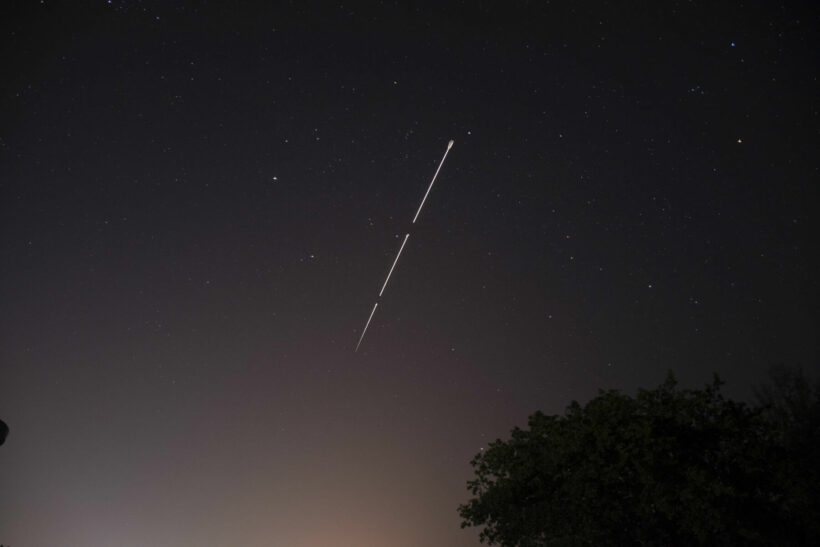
666, 467
790, 404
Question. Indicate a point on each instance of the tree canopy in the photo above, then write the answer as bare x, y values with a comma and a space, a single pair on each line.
668, 466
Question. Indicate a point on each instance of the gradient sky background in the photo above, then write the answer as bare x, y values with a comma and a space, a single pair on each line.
200, 203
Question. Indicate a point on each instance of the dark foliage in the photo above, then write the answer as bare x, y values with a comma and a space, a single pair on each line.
666, 467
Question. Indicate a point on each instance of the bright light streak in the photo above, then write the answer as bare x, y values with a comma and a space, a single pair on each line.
376, 305
394, 264
449, 146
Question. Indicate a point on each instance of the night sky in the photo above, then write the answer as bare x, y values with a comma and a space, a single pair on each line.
199, 204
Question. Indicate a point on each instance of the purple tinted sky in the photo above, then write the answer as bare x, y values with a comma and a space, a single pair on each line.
200, 203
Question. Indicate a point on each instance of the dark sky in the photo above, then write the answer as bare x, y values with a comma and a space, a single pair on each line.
199, 204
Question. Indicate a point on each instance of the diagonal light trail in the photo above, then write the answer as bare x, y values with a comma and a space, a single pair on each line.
394, 264
376, 305
449, 146
403, 243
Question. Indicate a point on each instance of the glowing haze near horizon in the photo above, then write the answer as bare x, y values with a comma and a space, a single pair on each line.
200, 204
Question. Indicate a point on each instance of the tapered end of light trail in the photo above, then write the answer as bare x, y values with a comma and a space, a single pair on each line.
450, 144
